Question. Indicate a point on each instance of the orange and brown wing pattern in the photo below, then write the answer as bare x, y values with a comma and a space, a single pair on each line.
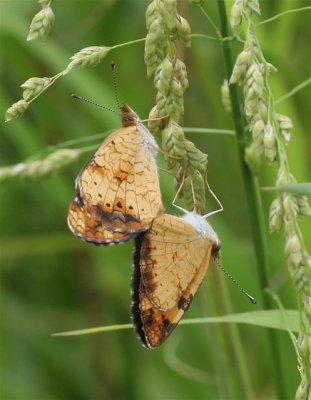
170, 263
84, 226
120, 185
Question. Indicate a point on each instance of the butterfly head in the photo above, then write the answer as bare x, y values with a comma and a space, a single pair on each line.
128, 116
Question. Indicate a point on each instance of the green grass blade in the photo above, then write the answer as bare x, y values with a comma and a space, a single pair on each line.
267, 319
297, 188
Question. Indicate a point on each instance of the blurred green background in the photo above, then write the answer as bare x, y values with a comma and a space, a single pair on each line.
51, 281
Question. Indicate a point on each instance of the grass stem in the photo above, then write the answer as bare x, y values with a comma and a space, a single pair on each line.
253, 199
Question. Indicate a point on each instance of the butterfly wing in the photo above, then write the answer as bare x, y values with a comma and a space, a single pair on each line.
119, 186
87, 228
169, 265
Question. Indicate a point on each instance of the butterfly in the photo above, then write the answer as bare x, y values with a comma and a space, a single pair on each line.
117, 193
170, 262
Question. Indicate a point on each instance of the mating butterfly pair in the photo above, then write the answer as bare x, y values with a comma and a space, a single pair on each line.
118, 198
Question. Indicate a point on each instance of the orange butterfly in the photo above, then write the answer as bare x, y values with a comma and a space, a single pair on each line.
117, 192
170, 262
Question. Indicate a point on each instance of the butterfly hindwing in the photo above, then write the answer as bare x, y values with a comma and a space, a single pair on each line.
84, 226
171, 256
170, 263
119, 186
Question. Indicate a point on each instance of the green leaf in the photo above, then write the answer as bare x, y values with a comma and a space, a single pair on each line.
267, 319
298, 188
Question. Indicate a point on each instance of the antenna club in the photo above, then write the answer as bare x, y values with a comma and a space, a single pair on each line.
252, 299
114, 81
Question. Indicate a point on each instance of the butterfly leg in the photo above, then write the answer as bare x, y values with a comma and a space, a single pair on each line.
217, 200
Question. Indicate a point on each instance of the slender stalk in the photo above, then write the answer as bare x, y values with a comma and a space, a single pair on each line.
128, 43
293, 91
284, 13
208, 131
253, 199
210, 20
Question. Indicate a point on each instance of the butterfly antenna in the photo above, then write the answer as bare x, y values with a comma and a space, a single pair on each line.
114, 82
75, 96
251, 298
